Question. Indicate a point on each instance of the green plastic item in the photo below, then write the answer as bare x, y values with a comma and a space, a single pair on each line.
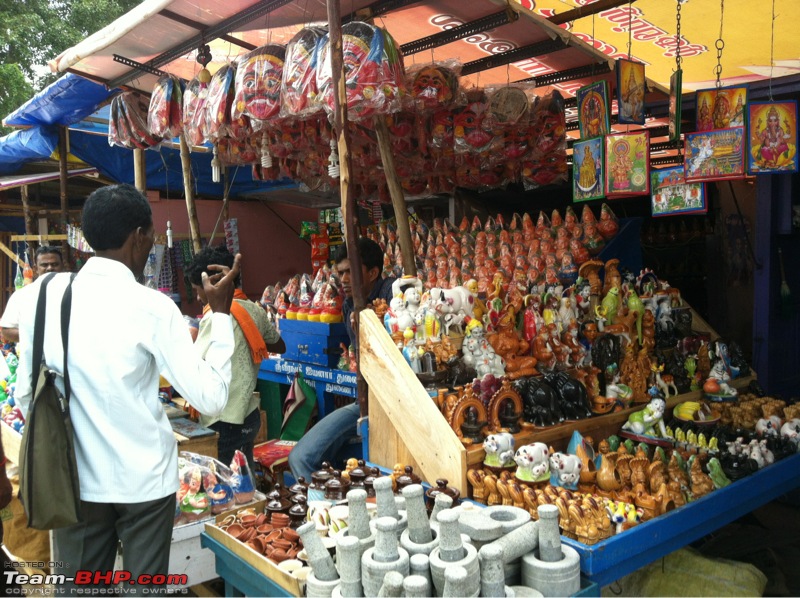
272, 395
300, 419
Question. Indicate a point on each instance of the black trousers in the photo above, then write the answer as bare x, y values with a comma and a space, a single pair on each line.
145, 530
235, 437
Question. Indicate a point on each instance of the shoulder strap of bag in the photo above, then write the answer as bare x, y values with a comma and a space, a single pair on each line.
38, 331
66, 309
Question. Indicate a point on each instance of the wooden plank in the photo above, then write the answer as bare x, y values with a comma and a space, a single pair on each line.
4, 248
38, 238
203, 445
389, 448
599, 426
411, 413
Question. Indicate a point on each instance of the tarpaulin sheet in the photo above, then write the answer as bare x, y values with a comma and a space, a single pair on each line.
19, 147
64, 102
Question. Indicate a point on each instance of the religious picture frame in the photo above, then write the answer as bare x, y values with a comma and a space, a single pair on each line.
627, 164
593, 110
715, 155
631, 88
772, 140
671, 195
587, 170
675, 100
720, 108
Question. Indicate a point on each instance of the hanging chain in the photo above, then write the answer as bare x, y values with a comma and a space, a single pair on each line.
772, 50
630, 27
720, 45
678, 37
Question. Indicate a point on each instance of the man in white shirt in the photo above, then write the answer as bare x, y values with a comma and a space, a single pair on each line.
48, 259
122, 336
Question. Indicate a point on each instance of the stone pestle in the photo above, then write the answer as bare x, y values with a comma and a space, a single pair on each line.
418, 536
384, 557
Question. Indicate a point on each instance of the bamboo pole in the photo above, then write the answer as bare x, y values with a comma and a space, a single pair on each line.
398, 197
139, 173
349, 210
62, 186
29, 221
188, 189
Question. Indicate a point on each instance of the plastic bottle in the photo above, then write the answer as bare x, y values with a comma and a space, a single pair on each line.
150, 271
19, 279
27, 273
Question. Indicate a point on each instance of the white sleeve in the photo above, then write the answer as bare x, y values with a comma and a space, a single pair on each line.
10, 317
203, 382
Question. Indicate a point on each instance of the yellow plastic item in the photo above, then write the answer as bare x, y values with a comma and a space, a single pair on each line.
329, 318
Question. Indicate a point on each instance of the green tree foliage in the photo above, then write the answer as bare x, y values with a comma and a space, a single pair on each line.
36, 31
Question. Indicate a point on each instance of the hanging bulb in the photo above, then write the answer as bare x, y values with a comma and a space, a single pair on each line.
216, 167
266, 158
333, 162
169, 234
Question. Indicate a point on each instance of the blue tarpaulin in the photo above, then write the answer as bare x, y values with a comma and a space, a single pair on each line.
32, 144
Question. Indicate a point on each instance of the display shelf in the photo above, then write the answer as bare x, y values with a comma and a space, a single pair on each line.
622, 554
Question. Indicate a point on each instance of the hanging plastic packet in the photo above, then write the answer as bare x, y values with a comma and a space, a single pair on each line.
242, 481
299, 87
233, 152
129, 113
258, 84
434, 86
194, 101
219, 101
165, 114
472, 134
547, 161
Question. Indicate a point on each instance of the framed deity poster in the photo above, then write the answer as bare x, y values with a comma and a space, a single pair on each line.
714, 155
672, 195
772, 144
587, 170
721, 108
627, 164
630, 92
675, 99
593, 107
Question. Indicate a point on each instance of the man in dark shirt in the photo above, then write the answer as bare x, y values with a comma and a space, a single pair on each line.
324, 441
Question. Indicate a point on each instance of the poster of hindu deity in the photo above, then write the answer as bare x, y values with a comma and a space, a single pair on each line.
630, 91
672, 195
714, 155
593, 110
721, 108
772, 144
587, 170
627, 164
675, 99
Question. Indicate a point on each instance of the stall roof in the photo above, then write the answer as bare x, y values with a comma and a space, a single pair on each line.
20, 180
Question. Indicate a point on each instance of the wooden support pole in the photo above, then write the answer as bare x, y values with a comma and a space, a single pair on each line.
62, 186
349, 210
398, 197
139, 172
29, 221
4, 248
188, 189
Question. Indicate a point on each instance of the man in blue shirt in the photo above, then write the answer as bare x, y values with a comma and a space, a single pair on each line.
324, 441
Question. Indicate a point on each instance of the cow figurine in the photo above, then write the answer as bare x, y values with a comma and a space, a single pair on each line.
532, 462
565, 470
499, 449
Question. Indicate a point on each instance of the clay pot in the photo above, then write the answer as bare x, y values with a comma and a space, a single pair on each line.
336, 488
291, 535
257, 544
292, 553
235, 530
278, 555
264, 528
279, 520
229, 520
261, 519
247, 535
248, 520
283, 544
300, 487
275, 534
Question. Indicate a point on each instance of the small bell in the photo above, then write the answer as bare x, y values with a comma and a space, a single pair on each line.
266, 158
216, 167
333, 162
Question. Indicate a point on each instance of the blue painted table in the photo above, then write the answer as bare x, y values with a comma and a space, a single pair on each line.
620, 555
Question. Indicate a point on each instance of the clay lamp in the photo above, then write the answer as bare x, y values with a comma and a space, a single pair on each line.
279, 521
299, 487
372, 474
336, 488
298, 511
407, 478
441, 488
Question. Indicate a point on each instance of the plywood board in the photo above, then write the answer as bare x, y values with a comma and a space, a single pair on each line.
409, 411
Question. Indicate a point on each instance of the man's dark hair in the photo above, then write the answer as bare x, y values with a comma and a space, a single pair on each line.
370, 252
112, 213
45, 249
209, 256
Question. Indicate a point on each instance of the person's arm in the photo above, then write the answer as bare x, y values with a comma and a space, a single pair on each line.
204, 382
9, 323
5, 485
271, 336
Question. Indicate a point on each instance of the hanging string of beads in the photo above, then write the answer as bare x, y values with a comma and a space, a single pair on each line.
772, 50
630, 28
720, 45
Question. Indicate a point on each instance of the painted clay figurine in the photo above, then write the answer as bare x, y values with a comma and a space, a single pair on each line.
648, 419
